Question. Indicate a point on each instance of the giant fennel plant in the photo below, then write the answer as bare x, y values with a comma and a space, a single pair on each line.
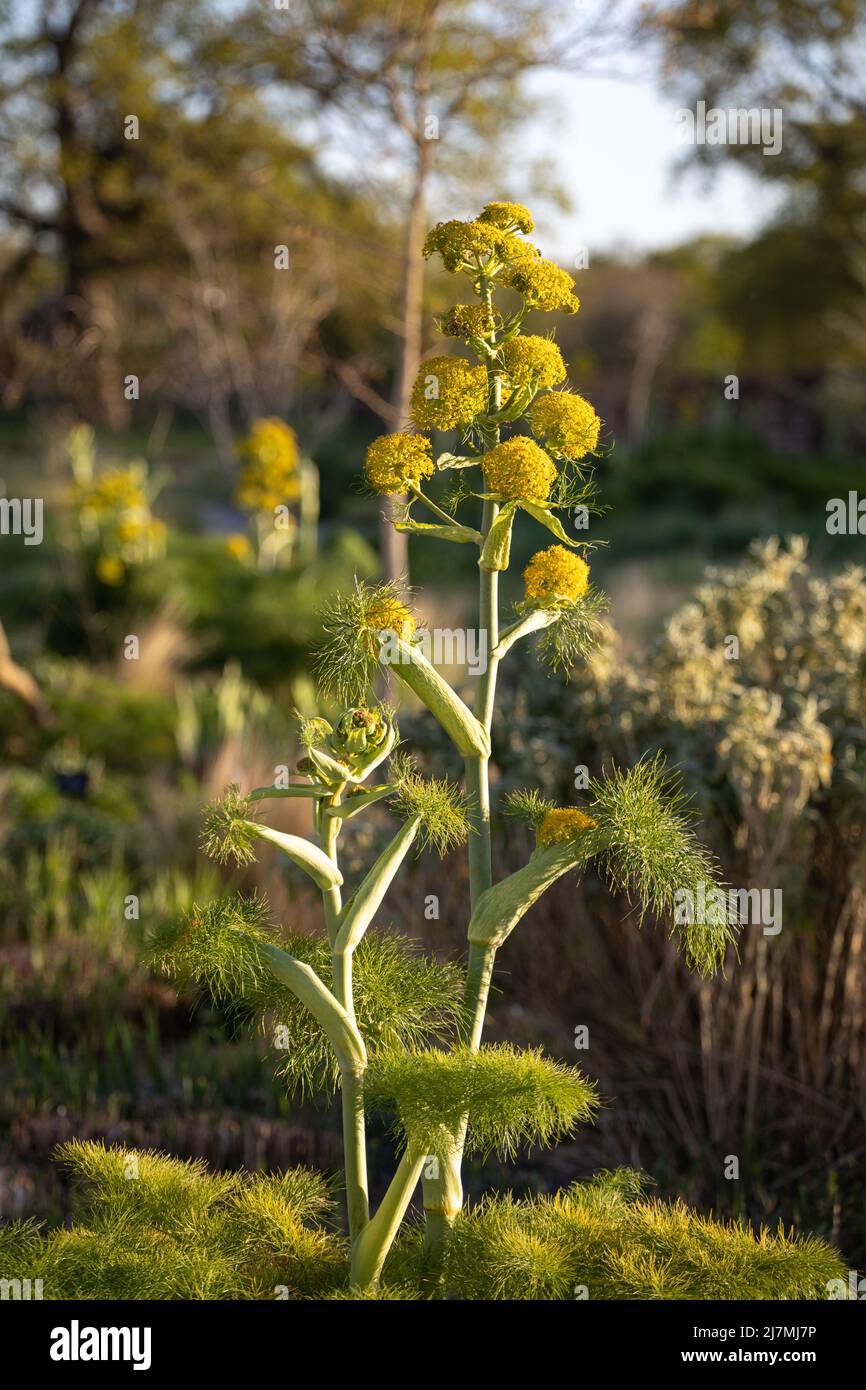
357, 1010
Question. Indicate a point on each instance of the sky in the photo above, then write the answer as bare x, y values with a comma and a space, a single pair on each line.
615, 148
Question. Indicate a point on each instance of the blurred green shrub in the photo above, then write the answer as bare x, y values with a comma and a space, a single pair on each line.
757, 691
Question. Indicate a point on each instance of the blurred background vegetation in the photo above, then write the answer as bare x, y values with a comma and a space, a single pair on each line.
250, 250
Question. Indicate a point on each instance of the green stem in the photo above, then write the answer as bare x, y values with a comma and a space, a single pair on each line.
329, 830
478, 977
351, 1078
372, 1246
443, 1194
428, 502
355, 1153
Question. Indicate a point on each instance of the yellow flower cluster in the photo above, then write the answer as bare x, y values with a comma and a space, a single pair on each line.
563, 823
555, 576
519, 471
468, 321
463, 245
397, 461
114, 512
117, 490
448, 391
542, 284
269, 476
531, 361
238, 546
110, 569
389, 615
566, 422
508, 216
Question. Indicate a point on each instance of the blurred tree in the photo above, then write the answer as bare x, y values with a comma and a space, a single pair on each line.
153, 200
799, 289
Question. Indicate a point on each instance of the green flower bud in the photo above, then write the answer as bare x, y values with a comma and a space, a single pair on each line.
362, 739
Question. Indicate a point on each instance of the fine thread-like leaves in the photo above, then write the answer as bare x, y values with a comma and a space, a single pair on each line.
402, 998
644, 845
606, 1239
512, 1096
440, 805
575, 633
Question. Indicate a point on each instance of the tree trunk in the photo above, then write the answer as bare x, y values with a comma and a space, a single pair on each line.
393, 544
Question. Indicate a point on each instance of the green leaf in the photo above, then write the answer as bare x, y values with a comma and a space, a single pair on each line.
500, 908
552, 522
467, 733
441, 532
303, 981
330, 768
353, 804
304, 853
511, 1096
534, 621
497, 545
366, 901
264, 793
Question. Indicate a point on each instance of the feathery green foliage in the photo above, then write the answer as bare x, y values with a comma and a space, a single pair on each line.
512, 1096
645, 845
347, 661
402, 998
439, 803
527, 805
575, 633
226, 832
605, 1239
215, 947
154, 1227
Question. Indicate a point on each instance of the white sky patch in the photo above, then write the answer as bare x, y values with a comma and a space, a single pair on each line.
615, 144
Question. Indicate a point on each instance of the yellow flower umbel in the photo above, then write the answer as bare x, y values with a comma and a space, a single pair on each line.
469, 321
519, 471
541, 284
396, 462
555, 577
269, 476
562, 824
118, 490
509, 217
387, 614
567, 423
465, 245
448, 392
115, 518
535, 362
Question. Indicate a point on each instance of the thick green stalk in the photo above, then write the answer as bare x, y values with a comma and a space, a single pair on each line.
371, 1248
351, 1077
329, 830
443, 1194
478, 977
355, 1152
